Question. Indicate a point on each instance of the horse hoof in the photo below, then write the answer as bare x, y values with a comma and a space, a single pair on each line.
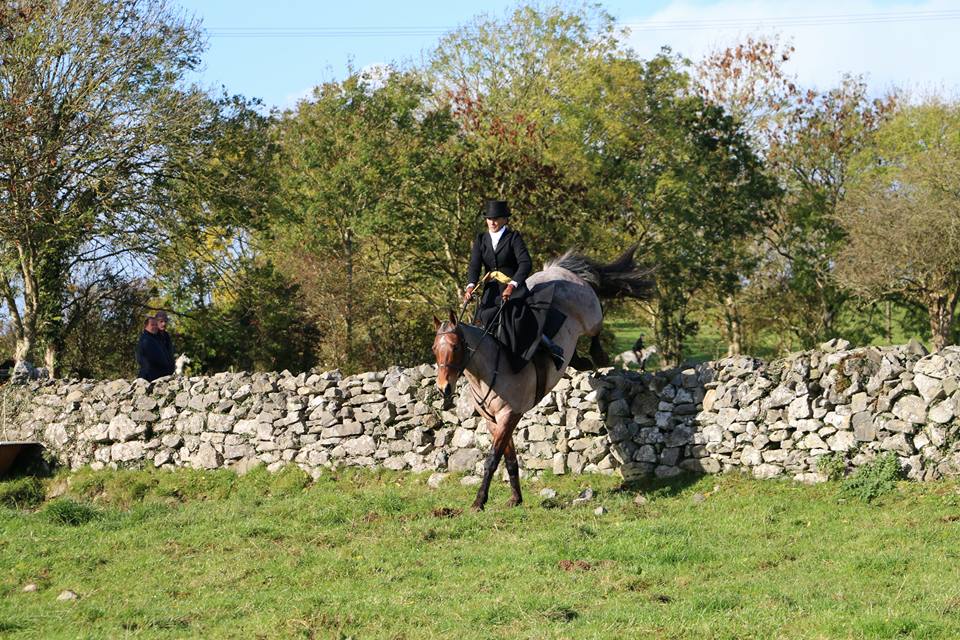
477, 506
514, 502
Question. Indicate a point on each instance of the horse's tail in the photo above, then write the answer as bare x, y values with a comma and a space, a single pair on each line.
622, 277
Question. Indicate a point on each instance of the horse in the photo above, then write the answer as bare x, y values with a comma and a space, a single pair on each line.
500, 395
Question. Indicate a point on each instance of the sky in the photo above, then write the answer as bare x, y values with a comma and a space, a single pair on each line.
279, 50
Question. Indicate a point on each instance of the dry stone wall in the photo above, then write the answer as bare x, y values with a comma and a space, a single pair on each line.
769, 419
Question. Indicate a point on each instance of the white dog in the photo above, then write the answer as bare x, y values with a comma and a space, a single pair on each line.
182, 361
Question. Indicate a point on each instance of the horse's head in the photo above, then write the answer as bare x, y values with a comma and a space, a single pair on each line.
450, 350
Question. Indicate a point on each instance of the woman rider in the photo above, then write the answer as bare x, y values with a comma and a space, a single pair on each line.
502, 249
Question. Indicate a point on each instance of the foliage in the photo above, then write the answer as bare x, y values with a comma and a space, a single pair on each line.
219, 187
874, 479
833, 465
103, 330
812, 155
523, 91
124, 490
807, 140
902, 214
255, 321
91, 105
686, 184
350, 158
329, 234
289, 481
749, 80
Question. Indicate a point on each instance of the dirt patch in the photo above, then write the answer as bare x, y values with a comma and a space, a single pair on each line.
574, 565
446, 512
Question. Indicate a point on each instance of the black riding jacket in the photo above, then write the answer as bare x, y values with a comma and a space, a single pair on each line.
510, 258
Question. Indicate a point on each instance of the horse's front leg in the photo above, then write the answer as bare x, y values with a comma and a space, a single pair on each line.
513, 470
502, 432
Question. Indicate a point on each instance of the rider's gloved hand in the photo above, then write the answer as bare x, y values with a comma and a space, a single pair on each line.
469, 292
507, 292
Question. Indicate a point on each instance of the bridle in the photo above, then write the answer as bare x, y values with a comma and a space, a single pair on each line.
453, 367
461, 368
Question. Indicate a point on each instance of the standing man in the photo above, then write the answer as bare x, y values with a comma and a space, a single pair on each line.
151, 356
501, 249
167, 342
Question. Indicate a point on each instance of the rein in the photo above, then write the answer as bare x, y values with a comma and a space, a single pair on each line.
496, 367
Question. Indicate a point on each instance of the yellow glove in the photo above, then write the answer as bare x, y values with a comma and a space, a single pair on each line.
498, 276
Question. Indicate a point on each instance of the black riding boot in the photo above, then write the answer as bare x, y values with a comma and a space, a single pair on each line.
556, 352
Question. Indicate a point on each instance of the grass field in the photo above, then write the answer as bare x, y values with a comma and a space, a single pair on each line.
379, 555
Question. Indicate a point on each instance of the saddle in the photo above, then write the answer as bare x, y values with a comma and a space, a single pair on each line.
540, 362
542, 358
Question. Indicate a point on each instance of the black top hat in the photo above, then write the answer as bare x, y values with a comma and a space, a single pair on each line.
496, 209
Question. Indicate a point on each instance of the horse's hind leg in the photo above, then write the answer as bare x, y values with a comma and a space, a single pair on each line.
502, 432
581, 363
513, 470
597, 353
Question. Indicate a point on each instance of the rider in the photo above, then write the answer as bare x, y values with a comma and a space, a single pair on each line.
501, 249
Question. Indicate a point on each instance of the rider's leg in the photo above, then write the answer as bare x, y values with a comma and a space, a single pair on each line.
556, 351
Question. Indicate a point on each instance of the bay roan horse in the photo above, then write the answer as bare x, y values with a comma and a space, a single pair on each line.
502, 396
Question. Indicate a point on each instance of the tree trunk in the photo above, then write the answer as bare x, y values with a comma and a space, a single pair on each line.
24, 346
888, 321
671, 320
348, 255
27, 340
731, 313
52, 361
940, 308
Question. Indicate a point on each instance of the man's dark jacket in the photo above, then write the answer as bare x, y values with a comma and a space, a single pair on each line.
151, 356
170, 361
523, 316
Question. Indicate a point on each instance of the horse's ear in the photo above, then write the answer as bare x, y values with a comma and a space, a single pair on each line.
453, 318
436, 323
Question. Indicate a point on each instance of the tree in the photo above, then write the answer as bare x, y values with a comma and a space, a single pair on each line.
91, 104
807, 140
748, 80
351, 160
523, 94
219, 187
901, 214
811, 156
682, 179
103, 328
254, 321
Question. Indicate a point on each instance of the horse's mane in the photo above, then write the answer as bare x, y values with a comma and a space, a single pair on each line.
622, 277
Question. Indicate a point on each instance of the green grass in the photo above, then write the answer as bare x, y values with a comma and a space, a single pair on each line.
705, 345
379, 555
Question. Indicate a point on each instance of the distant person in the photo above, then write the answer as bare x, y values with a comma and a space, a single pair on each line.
642, 353
151, 354
638, 346
162, 321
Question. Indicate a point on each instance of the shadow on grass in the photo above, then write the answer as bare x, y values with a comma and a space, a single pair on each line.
663, 487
